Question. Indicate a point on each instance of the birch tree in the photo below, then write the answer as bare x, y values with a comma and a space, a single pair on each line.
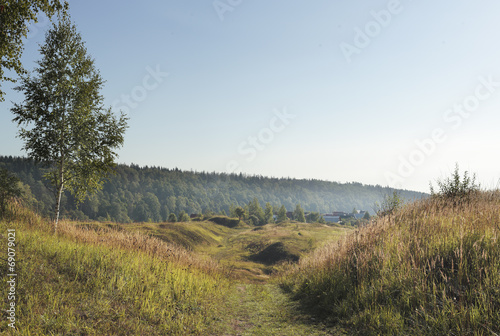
62, 119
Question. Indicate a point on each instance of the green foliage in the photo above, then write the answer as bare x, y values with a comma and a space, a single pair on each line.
281, 217
390, 204
314, 217
240, 212
268, 214
456, 189
62, 120
15, 16
254, 220
184, 217
255, 210
9, 188
298, 214
172, 218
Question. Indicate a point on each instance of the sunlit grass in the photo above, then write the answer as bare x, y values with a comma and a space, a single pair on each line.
432, 268
86, 282
233, 248
237, 249
152, 279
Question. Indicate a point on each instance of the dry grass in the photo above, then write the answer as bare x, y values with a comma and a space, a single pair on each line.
136, 241
433, 267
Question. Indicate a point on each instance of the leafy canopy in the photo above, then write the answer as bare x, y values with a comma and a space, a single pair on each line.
298, 214
15, 16
282, 215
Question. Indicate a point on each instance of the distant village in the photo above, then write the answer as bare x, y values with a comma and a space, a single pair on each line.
334, 217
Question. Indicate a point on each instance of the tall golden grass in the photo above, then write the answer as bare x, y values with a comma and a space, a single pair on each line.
433, 267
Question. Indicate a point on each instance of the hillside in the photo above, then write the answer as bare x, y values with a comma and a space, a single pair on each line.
196, 278
141, 194
431, 268
105, 282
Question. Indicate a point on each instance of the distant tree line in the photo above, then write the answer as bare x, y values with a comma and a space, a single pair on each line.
141, 194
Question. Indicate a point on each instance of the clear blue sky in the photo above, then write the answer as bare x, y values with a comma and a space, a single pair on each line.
379, 92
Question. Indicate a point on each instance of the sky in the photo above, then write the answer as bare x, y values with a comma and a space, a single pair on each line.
393, 92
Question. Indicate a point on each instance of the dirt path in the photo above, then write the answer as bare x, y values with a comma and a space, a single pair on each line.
262, 309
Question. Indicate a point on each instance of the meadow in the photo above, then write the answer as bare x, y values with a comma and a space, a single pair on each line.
151, 278
429, 267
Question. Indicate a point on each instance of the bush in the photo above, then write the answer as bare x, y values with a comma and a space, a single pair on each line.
456, 189
184, 217
390, 204
172, 218
254, 220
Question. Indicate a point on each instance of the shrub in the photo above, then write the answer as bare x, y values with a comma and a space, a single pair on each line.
254, 220
390, 204
172, 218
456, 189
184, 217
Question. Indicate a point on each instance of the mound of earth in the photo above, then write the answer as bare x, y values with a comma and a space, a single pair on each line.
275, 253
226, 221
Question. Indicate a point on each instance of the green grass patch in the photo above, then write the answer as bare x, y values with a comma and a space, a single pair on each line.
249, 251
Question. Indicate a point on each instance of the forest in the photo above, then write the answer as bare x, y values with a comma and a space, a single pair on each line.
142, 194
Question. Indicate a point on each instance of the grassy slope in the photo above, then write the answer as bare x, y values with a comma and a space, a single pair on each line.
108, 279
431, 269
85, 282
